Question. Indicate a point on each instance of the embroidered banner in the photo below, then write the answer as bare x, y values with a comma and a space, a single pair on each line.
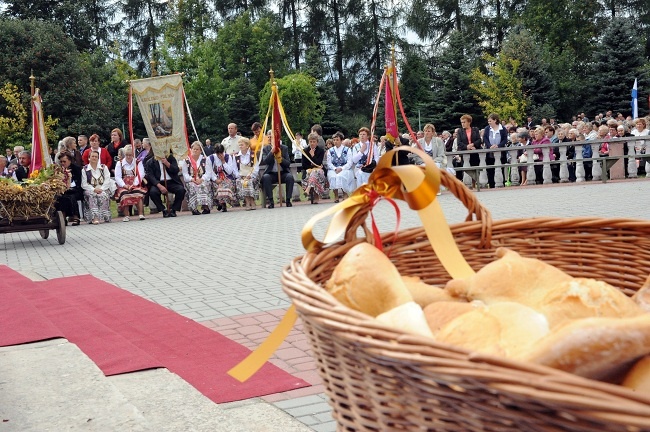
160, 100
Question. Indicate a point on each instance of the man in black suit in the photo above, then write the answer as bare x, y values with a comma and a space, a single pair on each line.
270, 175
24, 162
157, 171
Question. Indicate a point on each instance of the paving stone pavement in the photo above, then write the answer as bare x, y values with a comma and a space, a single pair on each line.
223, 269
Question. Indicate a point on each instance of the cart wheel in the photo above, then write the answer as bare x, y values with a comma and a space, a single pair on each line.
44, 233
60, 230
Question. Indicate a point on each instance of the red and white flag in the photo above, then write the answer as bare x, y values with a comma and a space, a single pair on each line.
40, 154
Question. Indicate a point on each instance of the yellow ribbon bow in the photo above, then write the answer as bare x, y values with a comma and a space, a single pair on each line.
417, 186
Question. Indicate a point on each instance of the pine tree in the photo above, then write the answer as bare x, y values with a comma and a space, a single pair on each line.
616, 62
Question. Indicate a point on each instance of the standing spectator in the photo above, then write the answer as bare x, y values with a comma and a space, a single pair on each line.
137, 147
4, 172
469, 138
10, 156
494, 136
231, 142
298, 146
256, 139
318, 129
71, 147
540, 139
448, 139
146, 153
641, 146
208, 149
117, 142
97, 185
82, 143
523, 139
17, 150
104, 157
129, 173
197, 180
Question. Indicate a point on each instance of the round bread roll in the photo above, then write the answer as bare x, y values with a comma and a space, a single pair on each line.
642, 296
584, 298
506, 329
510, 278
439, 314
408, 318
638, 378
367, 281
423, 293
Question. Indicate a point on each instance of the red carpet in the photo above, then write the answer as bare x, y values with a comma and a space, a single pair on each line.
123, 332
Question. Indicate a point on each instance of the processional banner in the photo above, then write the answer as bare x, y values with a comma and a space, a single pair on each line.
161, 100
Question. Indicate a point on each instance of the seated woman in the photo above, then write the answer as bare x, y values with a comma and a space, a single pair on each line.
197, 180
97, 185
67, 203
312, 166
224, 177
128, 177
249, 180
339, 168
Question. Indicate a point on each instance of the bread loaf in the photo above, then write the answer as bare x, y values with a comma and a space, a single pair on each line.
508, 329
439, 314
367, 281
407, 317
593, 347
642, 296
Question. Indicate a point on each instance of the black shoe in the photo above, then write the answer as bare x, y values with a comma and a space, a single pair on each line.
224, 208
172, 213
289, 204
270, 206
311, 195
196, 212
206, 211
218, 207
165, 213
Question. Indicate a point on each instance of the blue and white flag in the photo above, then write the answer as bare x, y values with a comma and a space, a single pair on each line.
635, 103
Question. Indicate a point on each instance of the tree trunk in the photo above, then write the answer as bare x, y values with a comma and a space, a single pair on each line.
296, 41
375, 36
338, 61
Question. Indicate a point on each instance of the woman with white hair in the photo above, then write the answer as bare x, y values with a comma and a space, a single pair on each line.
128, 177
197, 180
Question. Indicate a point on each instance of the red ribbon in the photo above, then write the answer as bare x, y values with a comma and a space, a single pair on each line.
374, 200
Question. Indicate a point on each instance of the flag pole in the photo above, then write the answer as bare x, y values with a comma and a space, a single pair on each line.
32, 79
273, 137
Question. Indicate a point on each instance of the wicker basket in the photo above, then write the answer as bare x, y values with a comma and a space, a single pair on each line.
380, 379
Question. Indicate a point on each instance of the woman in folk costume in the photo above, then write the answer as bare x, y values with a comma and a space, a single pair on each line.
224, 177
129, 173
249, 179
339, 168
312, 166
361, 154
98, 187
197, 180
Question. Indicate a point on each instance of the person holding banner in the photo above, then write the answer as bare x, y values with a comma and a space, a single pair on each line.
128, 177
223, 167
312, 166
197, 180
162, 178
249, 181
270, 174
360, 158
97, 185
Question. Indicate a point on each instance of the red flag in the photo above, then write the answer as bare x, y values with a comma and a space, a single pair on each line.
390, 107
277, 122
40, 156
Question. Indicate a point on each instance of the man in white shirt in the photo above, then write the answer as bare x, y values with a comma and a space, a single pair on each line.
231, 142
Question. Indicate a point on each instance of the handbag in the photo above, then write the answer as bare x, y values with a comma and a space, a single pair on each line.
523, 158
369, 168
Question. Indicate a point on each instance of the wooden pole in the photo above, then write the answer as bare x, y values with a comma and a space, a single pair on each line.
279, 167
32, 79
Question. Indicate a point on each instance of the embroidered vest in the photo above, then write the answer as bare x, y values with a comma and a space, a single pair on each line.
339, 161
95, 181
200, 167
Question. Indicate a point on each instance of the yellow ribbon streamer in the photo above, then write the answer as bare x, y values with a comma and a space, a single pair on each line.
416, 185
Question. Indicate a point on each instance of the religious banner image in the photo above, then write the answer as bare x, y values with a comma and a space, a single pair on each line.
161, 104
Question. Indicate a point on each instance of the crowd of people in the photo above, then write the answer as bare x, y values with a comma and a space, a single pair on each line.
232, 173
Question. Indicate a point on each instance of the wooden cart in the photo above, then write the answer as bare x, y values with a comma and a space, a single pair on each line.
43, 224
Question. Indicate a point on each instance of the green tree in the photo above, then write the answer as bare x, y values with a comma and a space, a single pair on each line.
534, 71
299, 98
415, 87
499, 90
616, 62
13, 117
142, 31
189, 22
452, 94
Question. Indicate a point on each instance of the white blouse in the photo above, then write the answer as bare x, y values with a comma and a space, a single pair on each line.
130, 167
96, 173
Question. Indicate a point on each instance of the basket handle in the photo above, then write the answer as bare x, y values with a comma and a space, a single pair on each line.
476, 210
